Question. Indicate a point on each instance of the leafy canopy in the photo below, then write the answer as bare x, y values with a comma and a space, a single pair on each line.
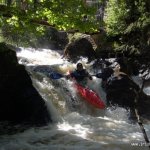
61, 14
123, 16
116, 11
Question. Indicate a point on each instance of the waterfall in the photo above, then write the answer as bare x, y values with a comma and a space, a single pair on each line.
76, 125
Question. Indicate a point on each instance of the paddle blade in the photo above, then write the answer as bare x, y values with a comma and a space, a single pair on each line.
56, 75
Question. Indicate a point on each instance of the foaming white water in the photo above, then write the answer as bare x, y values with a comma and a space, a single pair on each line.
36, 57
81, 128
41, 86
147, 90
77, 132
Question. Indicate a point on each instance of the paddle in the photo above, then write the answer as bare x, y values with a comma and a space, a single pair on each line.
55, 75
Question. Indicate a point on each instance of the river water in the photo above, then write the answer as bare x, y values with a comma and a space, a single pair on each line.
76, 124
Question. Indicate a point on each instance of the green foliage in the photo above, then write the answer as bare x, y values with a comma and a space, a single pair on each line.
116, 12
129, 22
66, 15
22, 21
62, 14
124, 16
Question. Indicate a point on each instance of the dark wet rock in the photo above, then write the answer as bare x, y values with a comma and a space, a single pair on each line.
121, 91
20, 102
80, 47
125, 93
128, 65
52, 39
100, 64
143, 105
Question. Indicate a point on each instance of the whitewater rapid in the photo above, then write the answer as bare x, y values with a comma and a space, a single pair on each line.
75, 126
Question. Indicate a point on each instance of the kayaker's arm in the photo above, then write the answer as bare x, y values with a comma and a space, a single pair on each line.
67, 77
88, 75
70, 75
99, 75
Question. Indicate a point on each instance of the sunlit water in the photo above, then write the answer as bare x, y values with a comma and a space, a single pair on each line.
76, 124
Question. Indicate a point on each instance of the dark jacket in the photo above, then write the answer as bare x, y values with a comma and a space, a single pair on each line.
79, 75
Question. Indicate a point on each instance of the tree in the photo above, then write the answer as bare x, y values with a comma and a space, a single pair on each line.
122, 16
116, 12
61, 14
129, 21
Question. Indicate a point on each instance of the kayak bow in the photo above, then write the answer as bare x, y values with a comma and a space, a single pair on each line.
90, 96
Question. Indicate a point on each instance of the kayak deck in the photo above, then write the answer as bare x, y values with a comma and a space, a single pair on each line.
90, 96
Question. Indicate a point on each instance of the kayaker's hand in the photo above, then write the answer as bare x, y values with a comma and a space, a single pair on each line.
99, 75
67, 77
90, 77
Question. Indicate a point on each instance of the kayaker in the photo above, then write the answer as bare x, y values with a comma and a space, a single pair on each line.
80, 74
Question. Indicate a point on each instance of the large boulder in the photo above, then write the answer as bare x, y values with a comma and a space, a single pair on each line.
80, 47
121, 91
125, 93
20, 102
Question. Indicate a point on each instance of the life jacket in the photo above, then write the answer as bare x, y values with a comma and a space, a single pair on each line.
79, 75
